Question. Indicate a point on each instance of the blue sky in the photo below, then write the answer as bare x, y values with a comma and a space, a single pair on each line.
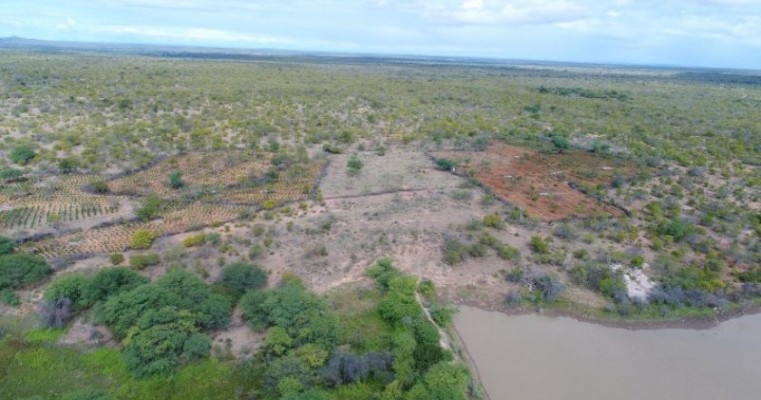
713, 33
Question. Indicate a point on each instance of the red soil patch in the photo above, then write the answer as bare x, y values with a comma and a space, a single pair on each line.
539, 182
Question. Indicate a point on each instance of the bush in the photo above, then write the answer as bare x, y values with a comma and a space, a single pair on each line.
561, 143
22, 154
7, 246
142, 261
493, 221
108, 282
8, 173
454, 251
445, 164
539, 245
150, 209
69, 287
354, 165
19, 270
8, 297
178, 289
508, 252
116, 258
195, 240
304, 315
601, 278
164, 338
68, 165
175, 180
99, 186
242, 277
142, 239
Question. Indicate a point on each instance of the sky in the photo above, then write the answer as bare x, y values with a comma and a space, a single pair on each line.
706, 33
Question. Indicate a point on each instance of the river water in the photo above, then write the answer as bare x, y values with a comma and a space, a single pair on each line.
535, 357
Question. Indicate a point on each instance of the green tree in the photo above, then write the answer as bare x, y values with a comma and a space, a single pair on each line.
19, 270
175, 180
241, 277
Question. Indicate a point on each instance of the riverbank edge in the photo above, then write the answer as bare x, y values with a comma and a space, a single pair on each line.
593, 316
465, 356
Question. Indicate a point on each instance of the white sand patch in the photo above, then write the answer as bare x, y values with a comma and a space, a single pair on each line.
638, 284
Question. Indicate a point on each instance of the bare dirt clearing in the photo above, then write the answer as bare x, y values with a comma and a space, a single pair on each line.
540, 182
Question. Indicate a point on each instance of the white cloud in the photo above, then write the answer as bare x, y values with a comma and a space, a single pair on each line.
521, 12
190, 34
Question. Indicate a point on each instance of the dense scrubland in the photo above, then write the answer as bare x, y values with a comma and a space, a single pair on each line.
205, 228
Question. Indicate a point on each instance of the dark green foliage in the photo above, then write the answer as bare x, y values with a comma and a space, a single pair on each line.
304, 315
8, 173
9, 298
561, 143
19, 270
601, 278
175, 180
241, 277
161, 339
22, 154
443, 381
382, 271
108, 282
752, 275
69, 287
179, 289
7, 246
445, 164
676, 228
354, 165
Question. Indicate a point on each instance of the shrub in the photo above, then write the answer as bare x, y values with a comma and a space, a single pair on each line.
142, 261
19, 270
7, 246
445, 164
508, 252
9, 173
214, 238
67, 165
108, 282
601, 278
454, 251
8, 297
255, 251
354, 165
150, 209
175, 180
99, 186
269, 204
561, 143
242, 277
195, 240
164, 338
539, 245
22, 154
178, 289
116, 258
69, 287
493, 221
142, 239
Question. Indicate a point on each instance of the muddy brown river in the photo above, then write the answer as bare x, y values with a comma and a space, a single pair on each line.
535, 357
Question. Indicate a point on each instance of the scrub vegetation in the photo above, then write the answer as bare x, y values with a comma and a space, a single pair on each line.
191, 225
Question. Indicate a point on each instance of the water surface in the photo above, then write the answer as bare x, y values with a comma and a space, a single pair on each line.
535, 357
